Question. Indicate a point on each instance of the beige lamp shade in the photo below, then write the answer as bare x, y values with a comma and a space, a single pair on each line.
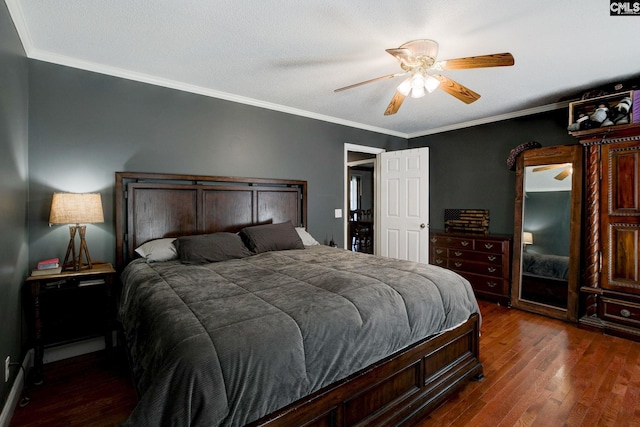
74, 208
527, 238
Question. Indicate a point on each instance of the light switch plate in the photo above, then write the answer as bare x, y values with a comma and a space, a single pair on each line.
338, 213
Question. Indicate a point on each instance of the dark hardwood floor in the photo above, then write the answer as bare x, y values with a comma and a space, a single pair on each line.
81, 391
538, 372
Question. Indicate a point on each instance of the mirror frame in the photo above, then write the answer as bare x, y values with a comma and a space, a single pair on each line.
537, 157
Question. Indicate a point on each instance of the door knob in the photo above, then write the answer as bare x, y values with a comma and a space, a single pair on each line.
422, 225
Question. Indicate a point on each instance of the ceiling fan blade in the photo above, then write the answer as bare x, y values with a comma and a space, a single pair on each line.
395, 104
547, 167
484, 61
562, 175
388, 76
455, 89
405, 56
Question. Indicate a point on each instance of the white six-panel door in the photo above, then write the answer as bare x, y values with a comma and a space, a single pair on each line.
404, 204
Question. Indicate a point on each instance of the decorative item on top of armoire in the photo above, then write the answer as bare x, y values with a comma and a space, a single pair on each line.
611, 290
513, 154
603, 111
484, 260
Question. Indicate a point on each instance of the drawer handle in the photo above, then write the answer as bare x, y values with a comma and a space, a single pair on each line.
492, 284
464, 243
457, 253
433, 240
491, 258
488, 245
439, 251
625, 313
438, 261
457, 264
491, 269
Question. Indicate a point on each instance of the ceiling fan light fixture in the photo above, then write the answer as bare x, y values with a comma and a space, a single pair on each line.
431, 83
405, 87
417, 58
417, 92
417, 81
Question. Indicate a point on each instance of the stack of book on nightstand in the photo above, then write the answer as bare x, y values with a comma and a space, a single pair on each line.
47, 266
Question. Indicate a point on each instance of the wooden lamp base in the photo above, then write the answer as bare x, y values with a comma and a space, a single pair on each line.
76, 264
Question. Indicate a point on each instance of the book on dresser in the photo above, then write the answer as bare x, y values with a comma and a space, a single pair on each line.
483, 259
47, 264
46, 272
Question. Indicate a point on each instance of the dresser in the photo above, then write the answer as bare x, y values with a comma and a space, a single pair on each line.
484, 260
610, 294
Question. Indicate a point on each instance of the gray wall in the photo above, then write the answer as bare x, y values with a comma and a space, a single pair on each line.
468, 166
13, 192
86, 126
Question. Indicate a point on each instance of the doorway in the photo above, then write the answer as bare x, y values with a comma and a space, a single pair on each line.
360, 201
361, 209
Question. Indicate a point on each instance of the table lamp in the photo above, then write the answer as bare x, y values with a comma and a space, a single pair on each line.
527, 238
75, 209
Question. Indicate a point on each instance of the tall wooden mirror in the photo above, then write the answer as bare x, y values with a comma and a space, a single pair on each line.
546, 241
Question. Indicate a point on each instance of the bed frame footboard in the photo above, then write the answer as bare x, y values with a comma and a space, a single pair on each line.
396, 391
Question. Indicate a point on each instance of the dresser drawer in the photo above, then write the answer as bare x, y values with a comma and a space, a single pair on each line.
439, 251
622, 312
452, 242
475, 267
438, 260
487, 285
492, 246
489, 258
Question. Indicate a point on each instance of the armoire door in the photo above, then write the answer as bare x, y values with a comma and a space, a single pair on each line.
620, 217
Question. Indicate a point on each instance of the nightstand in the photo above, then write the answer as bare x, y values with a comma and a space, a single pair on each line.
70, 306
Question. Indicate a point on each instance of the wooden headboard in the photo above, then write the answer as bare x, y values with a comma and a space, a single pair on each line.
151, 206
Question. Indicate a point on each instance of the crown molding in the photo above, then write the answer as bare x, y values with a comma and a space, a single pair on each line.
492, 119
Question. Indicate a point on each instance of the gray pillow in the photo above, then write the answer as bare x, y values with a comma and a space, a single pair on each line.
271, 237
206, 248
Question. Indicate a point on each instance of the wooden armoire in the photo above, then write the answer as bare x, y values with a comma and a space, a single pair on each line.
610, 291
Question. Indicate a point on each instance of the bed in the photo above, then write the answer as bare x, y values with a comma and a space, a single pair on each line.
280, 331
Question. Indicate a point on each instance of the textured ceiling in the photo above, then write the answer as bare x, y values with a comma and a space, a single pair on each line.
290, 55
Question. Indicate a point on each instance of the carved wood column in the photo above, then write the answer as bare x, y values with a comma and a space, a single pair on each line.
592, 260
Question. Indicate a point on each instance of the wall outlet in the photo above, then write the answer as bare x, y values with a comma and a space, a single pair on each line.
7, 362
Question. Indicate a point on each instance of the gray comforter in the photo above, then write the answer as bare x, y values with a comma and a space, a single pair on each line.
229, 342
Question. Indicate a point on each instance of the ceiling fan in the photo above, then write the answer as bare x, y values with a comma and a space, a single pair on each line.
418, 59
565, 172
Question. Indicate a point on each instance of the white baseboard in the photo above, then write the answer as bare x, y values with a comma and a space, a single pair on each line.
16, 391
66, 351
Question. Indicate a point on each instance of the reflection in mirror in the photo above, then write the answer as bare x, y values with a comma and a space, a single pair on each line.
547, 231
546, 223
